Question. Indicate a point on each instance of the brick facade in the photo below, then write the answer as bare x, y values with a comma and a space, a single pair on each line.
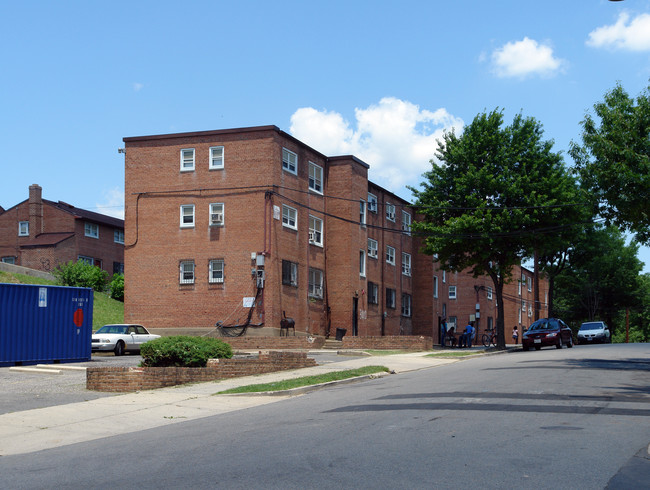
54, 233
333, 248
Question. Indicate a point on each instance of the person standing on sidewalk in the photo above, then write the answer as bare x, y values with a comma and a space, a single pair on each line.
515, 335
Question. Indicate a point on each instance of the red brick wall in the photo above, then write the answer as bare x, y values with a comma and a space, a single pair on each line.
396, 342
117, 379
255, 343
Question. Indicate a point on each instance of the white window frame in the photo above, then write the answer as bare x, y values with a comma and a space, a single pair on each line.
315, 283
217, 158
217, 208
85, 259
373, 293
362, 263
118, 236
188, 160
315, 231
373, 248
390, 212
372, 203
293, 273
390, 255
407, 301
315, 178
23, 228
362, 212
435, 286
91, 230
290, 161
523, 305
452, 292
406, 223
183, 223
406, 264
216, 269
529, 281
489, 292
289, 217
186, 272
444, 277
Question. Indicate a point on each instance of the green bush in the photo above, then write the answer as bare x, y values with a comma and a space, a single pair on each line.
183, 351
81, 274
117, 287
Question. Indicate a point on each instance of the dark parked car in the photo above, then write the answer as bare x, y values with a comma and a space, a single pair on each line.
547, 332
594, 332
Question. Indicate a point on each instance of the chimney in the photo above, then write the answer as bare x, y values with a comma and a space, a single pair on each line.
35, 210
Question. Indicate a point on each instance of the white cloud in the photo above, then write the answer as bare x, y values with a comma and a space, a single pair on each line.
395, 137
520, 59
113, 204
631, 36
137, 86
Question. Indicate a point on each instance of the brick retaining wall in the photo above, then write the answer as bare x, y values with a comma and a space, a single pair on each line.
256, 343
401, 342
125, 379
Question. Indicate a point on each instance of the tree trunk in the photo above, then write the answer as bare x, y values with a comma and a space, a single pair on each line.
500, 327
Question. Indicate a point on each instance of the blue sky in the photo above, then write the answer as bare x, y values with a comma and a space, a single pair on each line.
380, 80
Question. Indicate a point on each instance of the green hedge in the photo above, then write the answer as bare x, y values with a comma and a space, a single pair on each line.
183, 351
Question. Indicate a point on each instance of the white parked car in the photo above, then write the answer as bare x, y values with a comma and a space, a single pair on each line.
121, 338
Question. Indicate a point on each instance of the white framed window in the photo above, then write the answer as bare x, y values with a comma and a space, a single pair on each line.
91, 230
315, 231
372, 203
85, 259
523, 305
489, 293
390, 212
390, 255
23, 228
362, 212
315, 283
187, 159
444, 277
216, 158
372, 248
373, 293
215, 268
435, 286
186, 272
530, 284
118, 236
362, 263
289, 161
187, 216
289, 217
217, 216
523, 279
406, 264
390, 298
519, 316
315, 178
406, 222
406, 304
289, 273
452, 292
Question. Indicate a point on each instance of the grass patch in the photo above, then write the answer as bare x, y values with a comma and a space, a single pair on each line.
307, 380
455, 353
105, 309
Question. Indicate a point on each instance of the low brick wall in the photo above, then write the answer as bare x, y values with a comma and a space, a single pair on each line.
398, 342
256, 343
130, 379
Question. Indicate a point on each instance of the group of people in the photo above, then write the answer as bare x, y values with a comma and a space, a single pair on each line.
465, 339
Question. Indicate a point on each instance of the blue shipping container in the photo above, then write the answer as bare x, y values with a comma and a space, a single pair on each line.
44, 324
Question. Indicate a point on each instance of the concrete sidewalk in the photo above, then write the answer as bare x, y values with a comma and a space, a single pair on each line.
45, 428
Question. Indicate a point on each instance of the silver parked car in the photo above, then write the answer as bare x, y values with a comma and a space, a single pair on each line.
121, 338
594, 332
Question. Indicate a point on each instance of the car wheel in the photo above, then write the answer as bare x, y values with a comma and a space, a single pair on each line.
570, 344
119, 349
525, 348
559, 343
538, 347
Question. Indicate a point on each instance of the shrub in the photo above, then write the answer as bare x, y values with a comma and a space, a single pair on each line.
183, 351
117, 287
81, 274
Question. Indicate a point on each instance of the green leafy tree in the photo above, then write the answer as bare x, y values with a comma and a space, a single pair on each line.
492, 199
602, 279
81, 274
614, 160
117, 287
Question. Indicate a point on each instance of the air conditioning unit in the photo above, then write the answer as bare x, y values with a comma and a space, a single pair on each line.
217, 217
312, 237
372, 253
318, 292
406, 270
390, 216
530, 311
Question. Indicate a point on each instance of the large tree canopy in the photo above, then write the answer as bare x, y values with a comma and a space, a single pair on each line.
497, 193
614, 160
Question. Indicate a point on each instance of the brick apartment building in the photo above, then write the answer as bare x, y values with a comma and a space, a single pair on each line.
212, 215
41, 234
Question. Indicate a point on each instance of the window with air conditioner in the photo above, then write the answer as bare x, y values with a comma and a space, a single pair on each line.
406, 222
315, 231
406, 304
406, 264
372, 248
372, 203
390, 212
216, 214
316, 283
390, 255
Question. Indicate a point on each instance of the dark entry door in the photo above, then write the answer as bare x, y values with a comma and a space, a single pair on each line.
355, 316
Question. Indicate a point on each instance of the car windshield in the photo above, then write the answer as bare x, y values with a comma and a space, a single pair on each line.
121, 329
591, 326
543, 325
